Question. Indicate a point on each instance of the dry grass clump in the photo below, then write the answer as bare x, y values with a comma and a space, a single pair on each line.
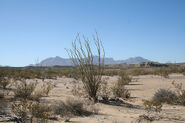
165, 96
71, 108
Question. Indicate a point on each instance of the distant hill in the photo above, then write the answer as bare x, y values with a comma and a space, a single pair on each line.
133, 60
58, 61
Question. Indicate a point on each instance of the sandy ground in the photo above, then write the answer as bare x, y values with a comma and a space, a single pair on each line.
143, 88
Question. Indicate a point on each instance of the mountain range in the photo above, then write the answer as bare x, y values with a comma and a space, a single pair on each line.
58, 61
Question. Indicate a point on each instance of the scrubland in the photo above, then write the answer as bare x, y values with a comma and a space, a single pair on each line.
126, 95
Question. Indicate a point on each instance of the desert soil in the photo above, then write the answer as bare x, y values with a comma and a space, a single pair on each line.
143, 88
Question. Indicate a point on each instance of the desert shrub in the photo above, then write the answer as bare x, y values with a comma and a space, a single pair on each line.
22, 110
152, 106
1, 95
124, 78
3, 103
153, 111
120, 91
164, 72
79, 91
84, 59
29, 90
24, 89
182, 98
26, 110
111, 72
4, 82
104, 91
40, 111
140, 71
180, 91
47, 88
71, 108
165, 96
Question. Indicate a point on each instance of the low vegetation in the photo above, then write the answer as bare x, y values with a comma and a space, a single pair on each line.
83, 58
119, 89
153, 110
26, 111
4, 82
165, 96
71, 108
169, 96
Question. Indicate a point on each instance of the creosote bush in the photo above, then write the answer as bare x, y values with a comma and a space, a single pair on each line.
165, 96
84, 59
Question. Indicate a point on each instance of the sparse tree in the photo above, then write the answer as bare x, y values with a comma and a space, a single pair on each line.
84, 59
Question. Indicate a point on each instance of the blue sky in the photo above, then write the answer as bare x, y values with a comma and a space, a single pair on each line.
31, 29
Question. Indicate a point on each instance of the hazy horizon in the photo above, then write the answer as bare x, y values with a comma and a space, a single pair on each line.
153, 29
